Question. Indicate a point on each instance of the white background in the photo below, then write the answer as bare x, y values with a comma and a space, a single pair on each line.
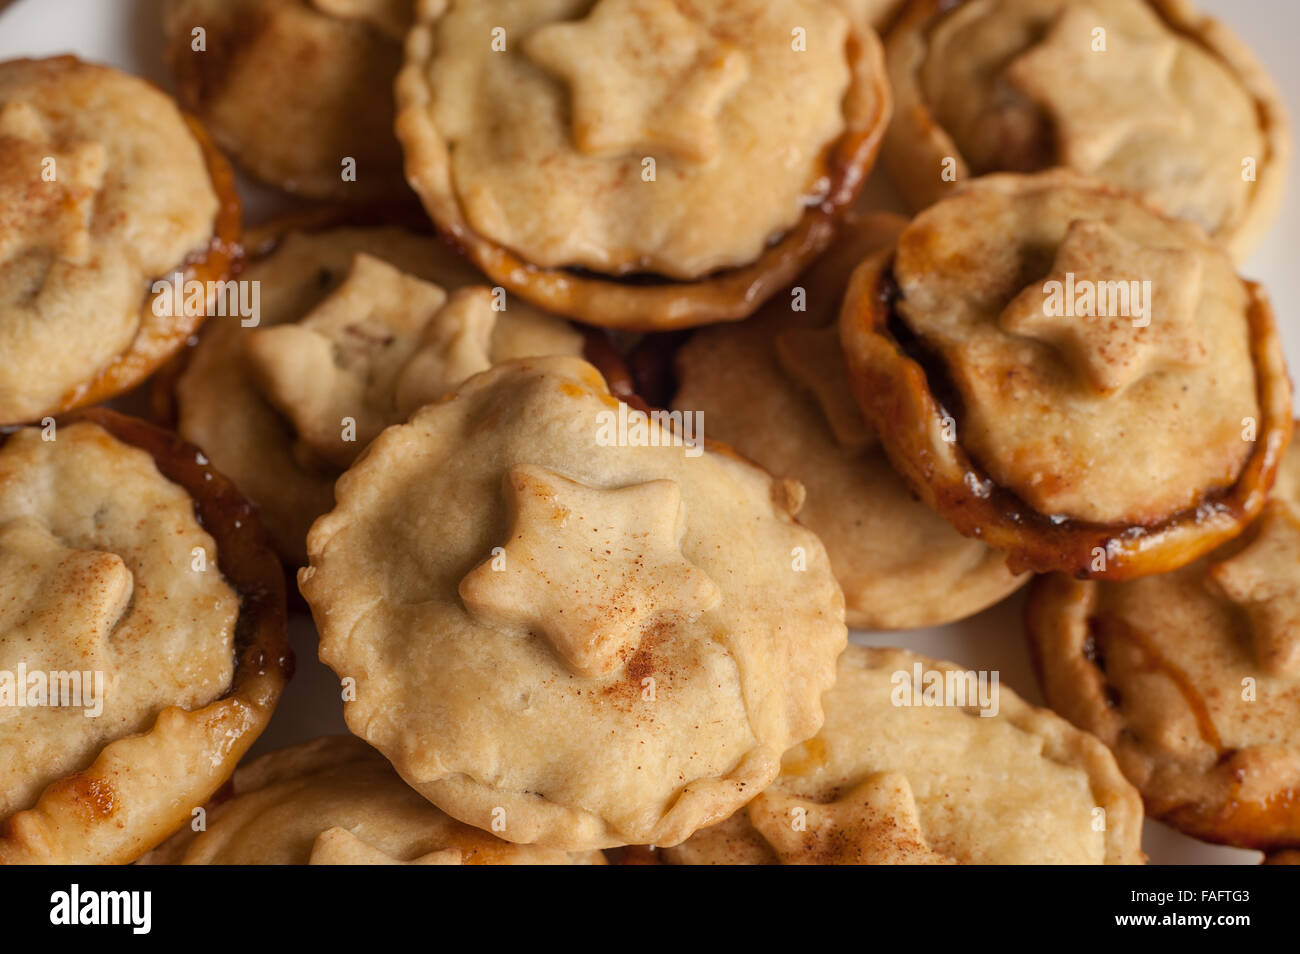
127, 34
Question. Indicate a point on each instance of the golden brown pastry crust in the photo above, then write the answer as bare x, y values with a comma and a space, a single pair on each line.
917, 144
1182, 678
335, 800
157, 337
693, 657
140, 788
728, 294
897, 383
900, 564
291, 88
884, 783
211, 395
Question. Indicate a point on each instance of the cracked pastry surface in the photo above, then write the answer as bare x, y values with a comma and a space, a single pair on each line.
1144, 94
292, 88
336, 801
1193, 677
104, 189
569, 143
775, 388
609, 643
1034, 352
888, 783
355, 323
135, 666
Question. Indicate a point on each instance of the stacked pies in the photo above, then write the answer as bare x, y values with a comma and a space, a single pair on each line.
594, 409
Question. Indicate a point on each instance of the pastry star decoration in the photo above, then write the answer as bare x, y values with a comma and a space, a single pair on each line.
813, 359
1106, 340
53, 216
65, 602
589, 569
1099, 98
381, 345
874, 824
1265, 579
642, 76
338, 846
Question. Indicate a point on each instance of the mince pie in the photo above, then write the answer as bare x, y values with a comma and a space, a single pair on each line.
1193, 677
642, 164
1144, 94
358, 327
566, 623
109, 199
336, 801
1070, 376
907, 771
299, 91
142, 637
775, 388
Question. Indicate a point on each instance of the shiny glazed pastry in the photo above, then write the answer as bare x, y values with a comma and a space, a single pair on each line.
295, 89
643, 164
566, 626
336, 801
775, 388
359, 325
106, 190
1193, 678
1034, 355
1144, 94
142, 637
890, 780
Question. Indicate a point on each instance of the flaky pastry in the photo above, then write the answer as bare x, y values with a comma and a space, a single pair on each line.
1145, 94
336, 801
106, 190
642, 164
1193, 677
300, 92
142, 637
1070, 376
776, 389
356, 330
568, 631
893, 780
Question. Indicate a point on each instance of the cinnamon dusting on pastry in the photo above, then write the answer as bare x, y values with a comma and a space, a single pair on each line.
589, 569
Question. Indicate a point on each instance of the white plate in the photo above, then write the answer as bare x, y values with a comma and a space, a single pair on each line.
127, 34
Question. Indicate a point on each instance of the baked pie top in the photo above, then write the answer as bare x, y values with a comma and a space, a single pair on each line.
336, 801
509, 577
546, 139
356, 324
96, 566
1073, 338
776, 389
293, 88
1193, 677
679, 144
103, 189
142, 637
888, 781
1083, 416
1145, 95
